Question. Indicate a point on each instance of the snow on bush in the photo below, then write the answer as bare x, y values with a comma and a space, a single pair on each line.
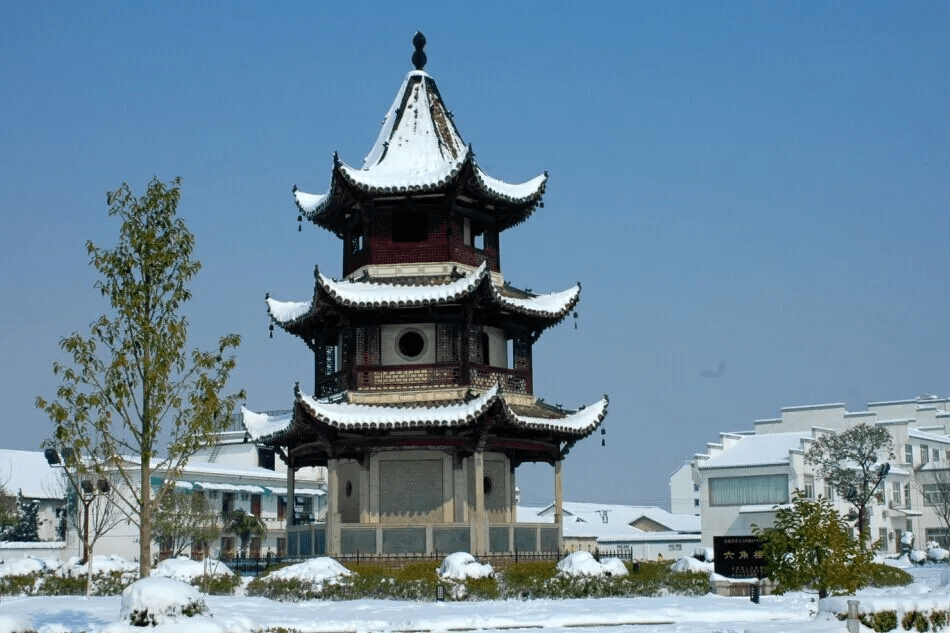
317, 570
26, 566
15, 624
583, 564
75, 568
462, 565
937, 554
152, 601
186, 570
688, 563
917, 556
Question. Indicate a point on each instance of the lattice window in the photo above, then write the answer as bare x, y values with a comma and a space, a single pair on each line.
447, 343
475, 350
521, 349
367, 345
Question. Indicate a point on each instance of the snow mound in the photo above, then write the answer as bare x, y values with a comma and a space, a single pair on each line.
462, 565
74, 567
186, 570
27, 565
688, 563
917, 556
152, 601
321, 569
15, 624
584, 564
937, 554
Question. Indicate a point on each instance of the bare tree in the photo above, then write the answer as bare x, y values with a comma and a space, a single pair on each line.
934, 486
90, 501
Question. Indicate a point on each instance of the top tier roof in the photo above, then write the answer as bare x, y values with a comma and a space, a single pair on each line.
418, 150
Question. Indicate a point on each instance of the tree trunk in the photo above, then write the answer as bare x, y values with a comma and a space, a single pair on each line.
145, 518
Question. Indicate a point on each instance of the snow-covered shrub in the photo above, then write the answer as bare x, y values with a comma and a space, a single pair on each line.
153, 601
917, 556
584, 564
690, 564
937, 554
211, 577
462, 565
303, 581
15, 624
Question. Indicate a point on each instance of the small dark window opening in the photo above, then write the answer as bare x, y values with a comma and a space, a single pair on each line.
480, 241
487, 485
485, 347
265, 458
411, 344
349, 489
410, 226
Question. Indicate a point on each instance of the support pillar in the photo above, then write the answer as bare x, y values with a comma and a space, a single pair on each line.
291, 483
364, 491
559, 501
479, 524
333, 511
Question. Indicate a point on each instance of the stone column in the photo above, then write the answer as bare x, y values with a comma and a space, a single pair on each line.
479, 525
333, 511
364, 491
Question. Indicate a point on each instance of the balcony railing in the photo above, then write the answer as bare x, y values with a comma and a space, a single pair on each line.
402, 377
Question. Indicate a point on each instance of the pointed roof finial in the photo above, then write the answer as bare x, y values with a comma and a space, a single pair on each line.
419, 57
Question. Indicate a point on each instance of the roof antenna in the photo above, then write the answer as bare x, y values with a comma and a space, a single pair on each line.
419, 57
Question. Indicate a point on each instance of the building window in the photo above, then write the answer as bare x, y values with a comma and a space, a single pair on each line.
940, 535
908, 454
935, 495
810, 491
896, 492
281, 507
487, 486
907, 497
695, 503
411, 344
924, 454
227, 546
882, 535
265, 458
936, 454
829, 493
737, 491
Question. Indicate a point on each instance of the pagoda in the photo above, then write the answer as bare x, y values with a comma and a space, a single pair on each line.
423, 403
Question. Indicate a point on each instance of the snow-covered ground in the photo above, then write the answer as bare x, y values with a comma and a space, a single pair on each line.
237, 614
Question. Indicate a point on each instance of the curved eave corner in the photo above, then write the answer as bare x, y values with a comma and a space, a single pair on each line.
265, 428
577, 424
514, 193
364, 417
554, 306
287, 313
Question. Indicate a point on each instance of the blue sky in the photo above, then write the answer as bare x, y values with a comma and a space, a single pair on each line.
759, 184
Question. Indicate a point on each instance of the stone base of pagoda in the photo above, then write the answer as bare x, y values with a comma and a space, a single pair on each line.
360, 539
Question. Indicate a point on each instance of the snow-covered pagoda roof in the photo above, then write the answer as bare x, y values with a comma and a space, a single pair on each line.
368, 295
418, 150
363, 417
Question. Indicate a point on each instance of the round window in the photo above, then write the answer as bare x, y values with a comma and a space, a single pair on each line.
487, 485
411, 344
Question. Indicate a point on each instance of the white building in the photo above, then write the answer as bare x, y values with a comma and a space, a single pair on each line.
745, 476
642, 532
28, 472
684, 492
232, 474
